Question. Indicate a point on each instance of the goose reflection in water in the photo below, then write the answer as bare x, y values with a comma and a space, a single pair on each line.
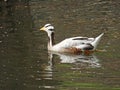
90, 61
80, 61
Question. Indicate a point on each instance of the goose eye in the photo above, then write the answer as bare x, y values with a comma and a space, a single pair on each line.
51, 29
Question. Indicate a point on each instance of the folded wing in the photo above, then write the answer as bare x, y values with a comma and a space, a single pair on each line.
76, 42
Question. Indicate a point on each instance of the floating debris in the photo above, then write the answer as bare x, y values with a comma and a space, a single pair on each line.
0, 41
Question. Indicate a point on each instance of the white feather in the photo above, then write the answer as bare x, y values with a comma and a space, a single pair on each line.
71, 43
80, 43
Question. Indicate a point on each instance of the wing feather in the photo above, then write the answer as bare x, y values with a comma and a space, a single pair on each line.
74, 42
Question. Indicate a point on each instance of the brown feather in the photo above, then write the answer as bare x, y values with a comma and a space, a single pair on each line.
74, 50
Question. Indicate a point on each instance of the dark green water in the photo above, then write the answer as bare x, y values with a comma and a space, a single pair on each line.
25, 63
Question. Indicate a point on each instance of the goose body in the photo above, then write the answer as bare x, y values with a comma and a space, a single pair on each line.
71, 45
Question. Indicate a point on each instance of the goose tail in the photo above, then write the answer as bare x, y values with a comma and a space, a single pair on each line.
96, 41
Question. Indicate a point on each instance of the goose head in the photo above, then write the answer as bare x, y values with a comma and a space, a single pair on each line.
50, 31
48, 28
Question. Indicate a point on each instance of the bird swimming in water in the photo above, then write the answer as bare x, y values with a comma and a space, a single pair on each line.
74, 45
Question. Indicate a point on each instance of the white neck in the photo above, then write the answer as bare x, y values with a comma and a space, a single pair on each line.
51, 40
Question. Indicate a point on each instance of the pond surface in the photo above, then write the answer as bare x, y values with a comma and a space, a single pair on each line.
25, 63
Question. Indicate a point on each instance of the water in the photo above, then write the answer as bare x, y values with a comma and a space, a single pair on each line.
25, 63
